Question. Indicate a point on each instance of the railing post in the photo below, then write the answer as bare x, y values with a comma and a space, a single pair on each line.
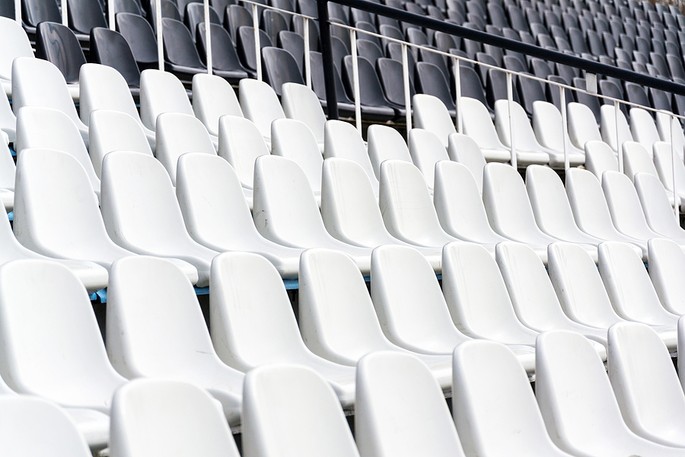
17, 11
676, 198
459, 124
405, 81
510, 101
257, 47
111, 15
307, 62
618, 137
158, 26
208, 39
564, 137
355, 81
65, 13
327, 54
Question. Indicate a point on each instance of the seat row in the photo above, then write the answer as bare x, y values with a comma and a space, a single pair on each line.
252, 324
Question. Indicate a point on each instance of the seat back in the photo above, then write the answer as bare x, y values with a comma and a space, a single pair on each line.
302, 104
666, 266
579, 285
524, 137
409, 302
140, 37
608, 120
431, 114
213, 97
406, 205
588, 203
260, 104
670, 131
46, 128
224, 56
52, 348
624, 206
295, 141
252, 321
599, 158
582, 126
426, 150
240, 143
34, 426
171, 313
110, 48
349, 206
385, 143
37, 82
497, 412
161, 92
664, 163
245, 42
291, 411
179, 48
37, 11
644, 129
114, 131
458, 202
12, 32
172, 417
636, 160
344, 141
103, 88
284, 207
177, 134
280, 68
430, 80
548, 127
655, 205
478, 124
399, 403
85, 15
463, 149
57, 44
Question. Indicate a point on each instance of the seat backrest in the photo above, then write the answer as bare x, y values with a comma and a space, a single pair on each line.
643, 380
588, 203
524, 137
406, 205
284, 207
251, 319
670, 127
212, 200
280, 68
624, 206
336, 314
655, 204
301, 103
573, 390
103, 88
408, 299
599, 158
260, 104
487, 423
179, 47
430, 80
385, 143
66, 360
548, 126
114, 131
398, 404
245, 42
57, 44
224, 55
349, 206
643, 127
636, 160
161, 92
139, 207
140, 37
506, 201
579, 285
463, 149
109, 47
47, 128
548, 200
343, 140
178, 133
37, 82
666, 267
34, 426
478, 124
370, 89
664, 163
458, 201
12, 32
608, 119
291, 411
172, 417
171, 314
55, 209
84, 15
431, 114
35, 12
295, 141
426, 150
582, 126
213, 97
240, 143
